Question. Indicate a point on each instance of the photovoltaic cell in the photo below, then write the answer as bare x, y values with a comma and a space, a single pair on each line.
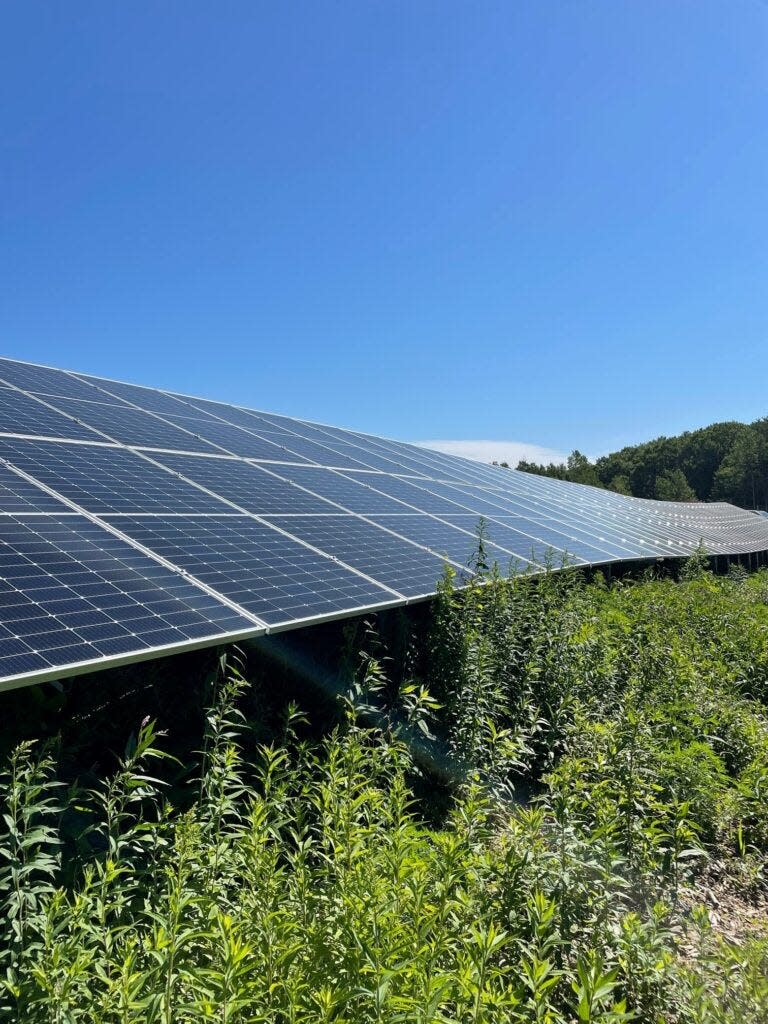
346, 454
409, 464
22, 414
545, 537
144, 398
246, 485
408, 569
236, 440
19, 495
45, 381
290, 446
312, 431
471, 499
607, 536
355, 494
229, 414
568, 536
70, 592
309, 451
131, 426
413, 460
417, 494
458, 541
258, 568
105, 478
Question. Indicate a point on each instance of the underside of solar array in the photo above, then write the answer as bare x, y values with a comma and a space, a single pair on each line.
136, 522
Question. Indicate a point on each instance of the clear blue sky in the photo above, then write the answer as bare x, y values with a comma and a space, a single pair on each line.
545, 221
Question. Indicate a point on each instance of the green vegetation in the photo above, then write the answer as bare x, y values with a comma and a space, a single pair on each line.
722, 462
558, 814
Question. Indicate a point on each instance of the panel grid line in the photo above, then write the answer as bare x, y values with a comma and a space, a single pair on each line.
99, 521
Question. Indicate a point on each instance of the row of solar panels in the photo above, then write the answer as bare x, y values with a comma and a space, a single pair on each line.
134, 521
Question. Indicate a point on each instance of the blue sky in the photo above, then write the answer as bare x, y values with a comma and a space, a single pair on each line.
544, 222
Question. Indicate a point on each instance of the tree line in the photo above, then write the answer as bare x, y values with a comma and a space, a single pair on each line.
722, 462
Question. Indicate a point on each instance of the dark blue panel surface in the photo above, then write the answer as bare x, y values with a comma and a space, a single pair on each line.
270, 575
575, 529
71, 592
545, 536
236, 440
21, 414
310, 451
105, 478
355, 493
146, 398
19, 495
45, 381
414, 460
132, 426
408, 569
230, 414
458, 542
312, 431
366, 459
246, 485
471, 499
543, 550
417, 494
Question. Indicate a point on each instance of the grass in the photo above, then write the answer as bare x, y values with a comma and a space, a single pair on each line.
529, 826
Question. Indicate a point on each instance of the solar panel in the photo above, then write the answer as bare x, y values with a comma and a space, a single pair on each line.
135, 521
457, 540
262, 570
417, 494
355, 494
237, 440
43, 380
232, 414
132, 426
17, 494
409, 570
145, 398
73, 595
247, 485
106, 478
24, 414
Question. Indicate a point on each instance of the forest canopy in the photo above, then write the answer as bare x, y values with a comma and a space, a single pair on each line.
722, 462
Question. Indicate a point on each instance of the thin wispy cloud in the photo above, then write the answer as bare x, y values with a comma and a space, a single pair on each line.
510, 452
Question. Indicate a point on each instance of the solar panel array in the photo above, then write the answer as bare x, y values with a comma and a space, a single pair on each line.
135, 522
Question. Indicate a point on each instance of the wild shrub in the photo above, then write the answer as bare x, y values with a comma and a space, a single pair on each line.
600, 746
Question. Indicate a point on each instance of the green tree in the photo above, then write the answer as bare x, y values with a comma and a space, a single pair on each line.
620, 484
742, 473
702, 451
581, 470
673, 486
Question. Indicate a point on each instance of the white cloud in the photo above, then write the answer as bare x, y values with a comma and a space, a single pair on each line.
496, 451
